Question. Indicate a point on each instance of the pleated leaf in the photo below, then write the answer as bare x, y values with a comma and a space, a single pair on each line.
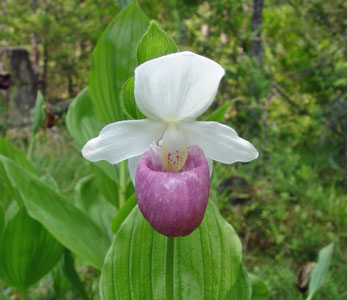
83, 125
27, 251
154, 43
259, 289
127, 97
7, 192
320, 270
143, 264
2, 219
69, 225
114, 61
107, 187
124, 3
89, 199
68, 266
8, 150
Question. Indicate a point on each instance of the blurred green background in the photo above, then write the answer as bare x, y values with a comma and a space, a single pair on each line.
286, 79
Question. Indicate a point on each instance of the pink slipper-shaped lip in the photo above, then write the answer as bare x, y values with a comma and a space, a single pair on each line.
173, 203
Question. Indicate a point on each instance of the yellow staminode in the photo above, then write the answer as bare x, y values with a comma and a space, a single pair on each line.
174, 149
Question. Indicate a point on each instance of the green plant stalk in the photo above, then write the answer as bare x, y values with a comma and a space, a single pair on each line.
23, 295
31, 147
122, 184
170, 248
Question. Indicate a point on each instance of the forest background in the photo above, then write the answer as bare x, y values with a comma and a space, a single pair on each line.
284, 90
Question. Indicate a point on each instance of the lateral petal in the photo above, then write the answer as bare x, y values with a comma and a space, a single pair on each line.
219, 142
122, 140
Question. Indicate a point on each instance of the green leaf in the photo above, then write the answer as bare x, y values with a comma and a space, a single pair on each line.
63, 220
11, 211
6, 149
2, 219
128, 100
28, 251
320, 270
219, 113
81, 120
7, 191
114, 61
242, 287
71, 274
154, 43
143, 264
123, 212
124, 3
259, 289
83, 125
89, 200
107, 186
39, 112
60, 282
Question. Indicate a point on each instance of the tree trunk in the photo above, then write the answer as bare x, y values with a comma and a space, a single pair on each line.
257, 20
23, 87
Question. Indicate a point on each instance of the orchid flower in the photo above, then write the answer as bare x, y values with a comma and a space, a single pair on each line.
170, 154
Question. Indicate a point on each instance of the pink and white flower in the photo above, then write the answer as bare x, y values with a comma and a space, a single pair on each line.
169, 153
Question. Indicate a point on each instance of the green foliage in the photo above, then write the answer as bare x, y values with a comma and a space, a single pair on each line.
2, 219
124, 3
204, 265
320, 270
219, 113
113, 62
65, 222
123, 212
8, 150
27, 251
39, 112
154, 43
83, 125
259, 289
70, 272
8, 193
81, 121
61, 35
89, 200
127, 98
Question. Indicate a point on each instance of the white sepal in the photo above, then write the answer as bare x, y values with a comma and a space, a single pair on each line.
177, 86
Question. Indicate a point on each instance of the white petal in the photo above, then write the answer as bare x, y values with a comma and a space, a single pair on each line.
176, 86
132, 166
219, 142
122, 140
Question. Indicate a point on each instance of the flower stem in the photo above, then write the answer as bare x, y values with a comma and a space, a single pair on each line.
31, 147
169, 280
122, 184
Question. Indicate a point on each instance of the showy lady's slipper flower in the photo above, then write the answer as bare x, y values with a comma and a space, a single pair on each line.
170, 154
